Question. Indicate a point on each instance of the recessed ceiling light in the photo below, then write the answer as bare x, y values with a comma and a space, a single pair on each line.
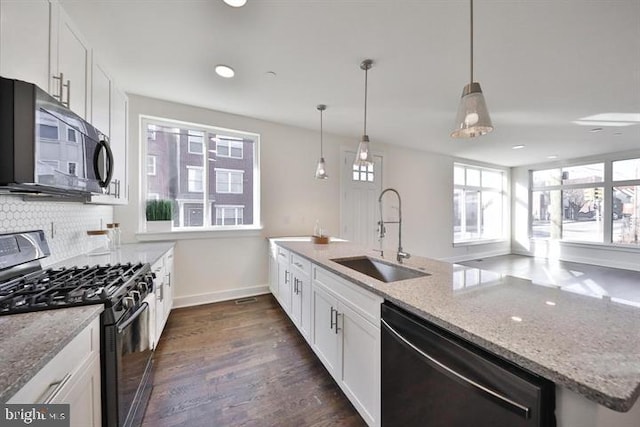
516, 318
553, 156
595, 130
225, 71
517, 147
270, 74
235, 3
551, 303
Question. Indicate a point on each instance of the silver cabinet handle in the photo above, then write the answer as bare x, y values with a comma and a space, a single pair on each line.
53, 390
518, 408
337, 327
333, 310
286, 277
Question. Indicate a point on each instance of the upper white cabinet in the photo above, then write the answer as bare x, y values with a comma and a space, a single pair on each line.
70, 59
40, 44
25, 28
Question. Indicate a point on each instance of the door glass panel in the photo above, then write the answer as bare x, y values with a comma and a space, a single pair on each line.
625, 215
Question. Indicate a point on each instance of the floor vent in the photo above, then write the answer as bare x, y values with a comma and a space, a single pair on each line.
246, 300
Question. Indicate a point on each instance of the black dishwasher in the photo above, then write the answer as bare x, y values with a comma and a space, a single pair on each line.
433, 378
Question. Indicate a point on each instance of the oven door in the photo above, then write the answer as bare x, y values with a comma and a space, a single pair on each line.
134, 359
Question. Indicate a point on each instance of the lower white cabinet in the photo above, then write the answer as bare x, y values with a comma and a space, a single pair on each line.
73, 377
346, 338
163, 270
339, 320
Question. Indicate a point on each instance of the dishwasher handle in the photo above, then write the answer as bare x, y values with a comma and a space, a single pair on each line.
515, 407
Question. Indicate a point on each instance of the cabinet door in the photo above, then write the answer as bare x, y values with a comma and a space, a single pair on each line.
24, 41
100, 99
273, 276
168, 283
284, 286
360, 369
71, 58
296, 301
324, 336
305, 305
119, 143
83, 396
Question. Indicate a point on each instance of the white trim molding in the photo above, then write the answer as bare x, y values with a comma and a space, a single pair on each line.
219, 296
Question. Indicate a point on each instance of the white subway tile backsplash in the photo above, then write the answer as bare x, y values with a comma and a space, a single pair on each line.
70, 223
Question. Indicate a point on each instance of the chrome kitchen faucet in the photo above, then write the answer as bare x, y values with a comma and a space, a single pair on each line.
381, 230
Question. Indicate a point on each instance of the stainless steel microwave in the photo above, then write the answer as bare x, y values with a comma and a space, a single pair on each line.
46, 149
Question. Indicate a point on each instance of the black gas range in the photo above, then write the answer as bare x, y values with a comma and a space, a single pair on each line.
125, 290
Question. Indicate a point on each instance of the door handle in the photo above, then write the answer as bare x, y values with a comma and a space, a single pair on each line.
515, 407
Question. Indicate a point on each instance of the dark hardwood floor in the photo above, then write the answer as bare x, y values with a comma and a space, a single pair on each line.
241, 365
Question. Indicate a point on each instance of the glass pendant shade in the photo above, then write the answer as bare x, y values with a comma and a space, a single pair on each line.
473, 117
363, 155
321, 172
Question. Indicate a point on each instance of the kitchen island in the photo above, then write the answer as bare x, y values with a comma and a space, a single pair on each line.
589, 347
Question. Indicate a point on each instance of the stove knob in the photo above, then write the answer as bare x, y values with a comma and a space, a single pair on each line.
136, 295
142, 287
128, 302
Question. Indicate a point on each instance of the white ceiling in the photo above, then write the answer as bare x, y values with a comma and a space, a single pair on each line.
542, 64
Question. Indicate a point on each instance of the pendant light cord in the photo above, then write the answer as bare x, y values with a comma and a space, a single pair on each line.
471, 44
366, 72
321, 156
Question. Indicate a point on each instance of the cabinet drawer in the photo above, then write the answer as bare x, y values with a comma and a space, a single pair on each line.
52, 378
299, 263
365, 303
283, 254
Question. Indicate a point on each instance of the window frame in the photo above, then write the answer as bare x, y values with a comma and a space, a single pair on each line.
154, 164
238, 143
479, 189
191, 168
229, 172
223, 207
189, 141
207, 229
607, 183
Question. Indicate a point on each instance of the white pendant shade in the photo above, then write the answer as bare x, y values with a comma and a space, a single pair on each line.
473, 116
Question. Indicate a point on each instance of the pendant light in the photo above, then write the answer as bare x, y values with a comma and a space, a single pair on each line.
363, 155
321, 172
473, 117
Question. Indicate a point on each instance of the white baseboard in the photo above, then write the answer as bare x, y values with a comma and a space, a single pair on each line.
218, 296
476, 255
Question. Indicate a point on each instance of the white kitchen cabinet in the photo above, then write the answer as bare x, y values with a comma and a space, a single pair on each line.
70, 63
73, 377
163, 270
273, 270
300, 269
109, 115
285, 287
24, 40
346, 337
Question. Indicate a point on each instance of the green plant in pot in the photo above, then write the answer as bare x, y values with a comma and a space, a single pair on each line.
159, 215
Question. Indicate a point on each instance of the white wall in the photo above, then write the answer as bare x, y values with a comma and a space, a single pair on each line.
223, 266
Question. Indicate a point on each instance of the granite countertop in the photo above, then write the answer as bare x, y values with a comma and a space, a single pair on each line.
29, 340
133, 252
589, 345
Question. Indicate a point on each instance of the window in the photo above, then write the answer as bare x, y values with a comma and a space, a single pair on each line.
195, 179
191, 172
567, 203
478, 204
48, 131
71, 135
363, 173
625, 202
229, 148
71, 168
229, 181
151, 165
229, 215
196, 141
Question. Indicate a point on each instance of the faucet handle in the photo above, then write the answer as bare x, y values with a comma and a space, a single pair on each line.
403, 255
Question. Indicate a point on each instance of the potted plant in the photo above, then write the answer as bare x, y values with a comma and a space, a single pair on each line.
159, 215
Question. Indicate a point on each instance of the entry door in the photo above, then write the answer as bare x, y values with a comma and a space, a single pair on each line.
360, 189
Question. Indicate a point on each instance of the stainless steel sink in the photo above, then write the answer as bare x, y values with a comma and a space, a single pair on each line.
379, 270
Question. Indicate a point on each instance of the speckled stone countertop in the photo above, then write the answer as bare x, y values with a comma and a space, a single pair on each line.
29, 340
133, 252
589, 345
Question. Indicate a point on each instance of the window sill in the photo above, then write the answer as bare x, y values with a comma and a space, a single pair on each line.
478, 242
201, 233
592, 245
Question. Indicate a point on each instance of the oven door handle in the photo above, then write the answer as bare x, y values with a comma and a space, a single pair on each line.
517, 408
133, 317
